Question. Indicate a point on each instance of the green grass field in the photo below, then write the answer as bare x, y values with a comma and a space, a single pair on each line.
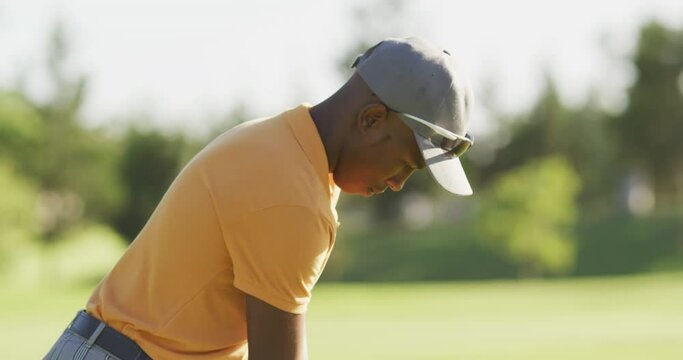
638, 317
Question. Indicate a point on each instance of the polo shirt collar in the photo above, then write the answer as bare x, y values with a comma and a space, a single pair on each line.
306, 133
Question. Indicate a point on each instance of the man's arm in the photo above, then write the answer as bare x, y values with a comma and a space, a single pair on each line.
274, 334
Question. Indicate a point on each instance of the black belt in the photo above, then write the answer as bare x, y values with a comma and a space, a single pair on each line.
109, 339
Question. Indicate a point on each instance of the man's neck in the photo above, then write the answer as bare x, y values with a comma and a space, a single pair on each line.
327, 121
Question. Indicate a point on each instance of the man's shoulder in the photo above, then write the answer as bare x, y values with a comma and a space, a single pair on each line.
260, 164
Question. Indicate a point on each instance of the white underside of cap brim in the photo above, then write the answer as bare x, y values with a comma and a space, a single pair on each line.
448, 172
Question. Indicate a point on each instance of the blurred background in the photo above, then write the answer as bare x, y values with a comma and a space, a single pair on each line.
571, 247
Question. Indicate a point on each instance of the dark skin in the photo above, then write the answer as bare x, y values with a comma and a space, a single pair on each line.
273, 333
369, 149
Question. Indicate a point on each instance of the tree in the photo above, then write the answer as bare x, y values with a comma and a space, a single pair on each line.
21, 130
581, 135
541, 132
150, 162
591, 150
528, 213
18, 217
60, 115
74, 167
650, 128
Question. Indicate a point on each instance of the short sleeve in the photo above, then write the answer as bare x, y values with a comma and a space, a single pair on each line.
278, 255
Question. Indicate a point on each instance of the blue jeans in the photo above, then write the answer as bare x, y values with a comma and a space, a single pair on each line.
88, 338
71, 346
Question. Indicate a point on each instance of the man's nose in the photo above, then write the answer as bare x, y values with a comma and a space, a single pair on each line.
397, 182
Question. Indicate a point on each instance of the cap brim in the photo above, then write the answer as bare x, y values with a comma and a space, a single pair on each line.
447, 171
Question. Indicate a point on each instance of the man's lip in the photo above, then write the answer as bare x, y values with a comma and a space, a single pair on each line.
376, 190
372, 190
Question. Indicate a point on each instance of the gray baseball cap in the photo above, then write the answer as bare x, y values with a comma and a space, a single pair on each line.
423, 85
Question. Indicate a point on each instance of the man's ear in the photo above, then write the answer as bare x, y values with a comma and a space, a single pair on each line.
371, 117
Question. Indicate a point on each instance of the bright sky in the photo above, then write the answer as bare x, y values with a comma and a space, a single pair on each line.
183, 61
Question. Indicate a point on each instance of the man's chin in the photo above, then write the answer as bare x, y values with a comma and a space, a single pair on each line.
365, 192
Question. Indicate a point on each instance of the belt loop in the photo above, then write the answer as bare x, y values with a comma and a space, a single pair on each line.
74, 319
96, 333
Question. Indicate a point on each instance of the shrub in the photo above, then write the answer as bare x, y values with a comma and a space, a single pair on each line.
527, 215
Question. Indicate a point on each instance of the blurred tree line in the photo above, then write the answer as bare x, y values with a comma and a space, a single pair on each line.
58, 177
556, 196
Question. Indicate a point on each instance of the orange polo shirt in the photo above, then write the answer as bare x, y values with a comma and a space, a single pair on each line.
253, 212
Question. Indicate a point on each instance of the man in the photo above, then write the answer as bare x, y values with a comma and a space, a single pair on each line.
226, 263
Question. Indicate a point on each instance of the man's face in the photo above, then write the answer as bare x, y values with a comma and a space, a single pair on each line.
382, 154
